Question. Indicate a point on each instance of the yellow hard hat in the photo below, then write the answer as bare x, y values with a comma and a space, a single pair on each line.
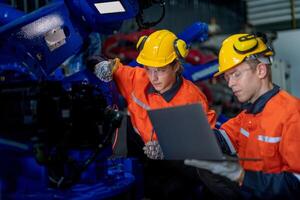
236, 48
160, 49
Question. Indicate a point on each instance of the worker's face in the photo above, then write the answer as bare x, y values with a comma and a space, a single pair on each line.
162, 78
244, 82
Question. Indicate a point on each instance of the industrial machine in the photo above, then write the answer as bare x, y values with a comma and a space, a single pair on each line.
57, 119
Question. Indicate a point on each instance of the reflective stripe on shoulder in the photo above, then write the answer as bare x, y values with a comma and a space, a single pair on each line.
268, 139
297, 176
135, 129
227, 139
244, 132
139, 102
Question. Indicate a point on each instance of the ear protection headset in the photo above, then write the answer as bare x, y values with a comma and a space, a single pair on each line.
180, 47
249, 43
141, 43
245, 44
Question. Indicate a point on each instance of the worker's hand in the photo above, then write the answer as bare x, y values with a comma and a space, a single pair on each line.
104, 69
153, 151
231, 170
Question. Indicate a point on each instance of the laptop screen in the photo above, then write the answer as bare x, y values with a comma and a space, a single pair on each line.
184, 133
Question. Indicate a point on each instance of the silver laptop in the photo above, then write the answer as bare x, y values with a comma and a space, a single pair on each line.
184, 133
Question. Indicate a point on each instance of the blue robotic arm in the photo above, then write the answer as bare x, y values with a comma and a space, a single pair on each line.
43, 39
56, 121
8, 13
197, 32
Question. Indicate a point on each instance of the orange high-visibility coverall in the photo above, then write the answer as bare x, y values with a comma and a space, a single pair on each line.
133, 84
272, 135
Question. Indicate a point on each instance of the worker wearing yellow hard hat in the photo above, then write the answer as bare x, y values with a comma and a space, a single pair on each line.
266, 131
239, 47
158, 84
160, 49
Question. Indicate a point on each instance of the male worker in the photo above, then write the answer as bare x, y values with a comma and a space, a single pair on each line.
158, 84
268, 128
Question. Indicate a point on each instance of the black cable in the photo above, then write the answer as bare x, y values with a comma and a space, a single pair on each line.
140, 19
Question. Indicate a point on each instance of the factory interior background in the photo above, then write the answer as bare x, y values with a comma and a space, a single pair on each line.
63, 133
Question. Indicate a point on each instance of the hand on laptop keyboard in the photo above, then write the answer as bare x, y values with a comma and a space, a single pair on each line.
153, 151
231, 170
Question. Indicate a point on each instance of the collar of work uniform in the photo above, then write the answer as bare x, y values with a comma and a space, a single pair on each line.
168, 95
259, 104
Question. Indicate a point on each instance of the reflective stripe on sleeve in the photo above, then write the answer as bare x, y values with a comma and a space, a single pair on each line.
268, 139
297, 176
135, 129
139, 102
244, 132
227, 139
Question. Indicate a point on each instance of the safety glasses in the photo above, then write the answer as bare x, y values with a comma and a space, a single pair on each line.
158, 71
236, 75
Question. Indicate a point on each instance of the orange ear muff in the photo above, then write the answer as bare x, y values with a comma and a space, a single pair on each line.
180, 48
140, 44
